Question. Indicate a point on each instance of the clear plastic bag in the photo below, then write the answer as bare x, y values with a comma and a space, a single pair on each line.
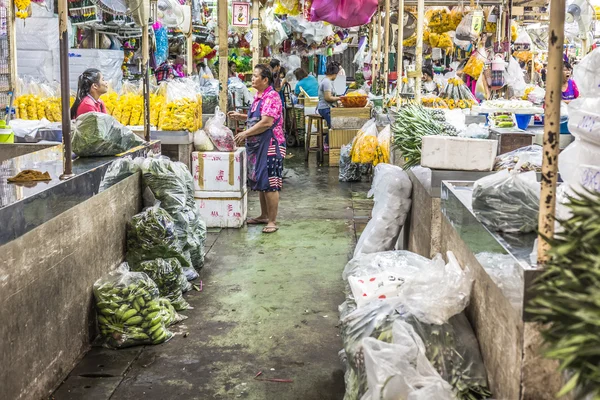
531, 156
580, 152
151, 234
384, 138
202, 142
464, 31
586, 76
118, 170
401, 370
513, 76
169, 278
219, 133
349, 171
508, 201
182, 108
130, 311
475, 131
97, 134
584, 117
391, 189
537, 95
364, 145
172, 184
523, 41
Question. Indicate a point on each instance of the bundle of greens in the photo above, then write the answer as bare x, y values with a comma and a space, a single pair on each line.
567, 296
173, 185
130, 311
97, 134
412, 123
151, 234
169, 277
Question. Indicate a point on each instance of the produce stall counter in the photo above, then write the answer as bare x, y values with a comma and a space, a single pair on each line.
25, 206
422, 234
510, 343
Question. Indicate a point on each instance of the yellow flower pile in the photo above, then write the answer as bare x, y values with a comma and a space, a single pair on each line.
179, 115
474, 67
364, 148
513, 31
286, 7
34, 107
21, 6
434, 102
110, 101
443, 40
528, 90
156, 102
458, 95
439, 20
524, 56
410, 41
456, 15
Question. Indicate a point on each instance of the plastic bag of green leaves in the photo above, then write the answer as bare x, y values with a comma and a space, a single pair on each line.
117, 171
130, 311
169, 277
151, 235
172, 184
97, 134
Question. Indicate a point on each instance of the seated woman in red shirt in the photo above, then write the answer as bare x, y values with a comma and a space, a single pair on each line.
90, 87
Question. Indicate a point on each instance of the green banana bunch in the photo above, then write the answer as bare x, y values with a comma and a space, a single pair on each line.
168, 276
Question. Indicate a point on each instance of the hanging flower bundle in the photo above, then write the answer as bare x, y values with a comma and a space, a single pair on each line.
21, 6
202, 51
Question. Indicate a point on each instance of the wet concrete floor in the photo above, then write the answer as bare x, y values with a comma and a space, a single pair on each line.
268, 304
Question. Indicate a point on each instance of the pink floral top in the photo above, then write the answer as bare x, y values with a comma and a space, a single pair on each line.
271, 107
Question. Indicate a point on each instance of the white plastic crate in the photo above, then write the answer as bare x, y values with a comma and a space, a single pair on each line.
223, 209
458, 154
216, 171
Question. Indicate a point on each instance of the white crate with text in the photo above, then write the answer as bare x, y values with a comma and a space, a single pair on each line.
223, 209
218, 171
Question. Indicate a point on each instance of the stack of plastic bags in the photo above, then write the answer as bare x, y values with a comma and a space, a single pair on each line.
391, 189
404, 333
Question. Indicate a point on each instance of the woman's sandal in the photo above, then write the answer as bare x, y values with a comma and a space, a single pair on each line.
256, 221
270, 229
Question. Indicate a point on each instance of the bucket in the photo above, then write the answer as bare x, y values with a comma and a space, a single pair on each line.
523, 120
6, 134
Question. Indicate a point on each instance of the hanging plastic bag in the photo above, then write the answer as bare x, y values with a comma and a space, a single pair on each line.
523, 41
130, 311
465, 31
586, 75
349, 171
513, 76
219, 133
343, 13
482, 92
391, 189
401, 370
531, 157
359, 57
365, 143
508, 201
202, 142
97, 134
474, 67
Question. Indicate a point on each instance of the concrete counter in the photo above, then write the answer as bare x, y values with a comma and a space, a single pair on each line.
57, 238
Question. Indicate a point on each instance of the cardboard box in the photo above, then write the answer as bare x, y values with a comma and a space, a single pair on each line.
223, 209
334, 157
218, 171
341, 137
458, 154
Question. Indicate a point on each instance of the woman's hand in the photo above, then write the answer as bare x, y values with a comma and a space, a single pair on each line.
236, 116
240, 138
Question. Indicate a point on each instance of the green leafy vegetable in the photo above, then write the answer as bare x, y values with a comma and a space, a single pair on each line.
98, 134
169, 277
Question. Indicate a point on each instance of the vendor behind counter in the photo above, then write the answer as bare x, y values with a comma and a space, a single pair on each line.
90, 86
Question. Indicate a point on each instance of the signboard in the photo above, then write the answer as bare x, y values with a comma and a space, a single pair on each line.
240, 13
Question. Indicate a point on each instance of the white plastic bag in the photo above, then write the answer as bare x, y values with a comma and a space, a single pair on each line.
523, 41
580, 152
513, 76
508, 201
537, 95
464, 30
586, 75
219, 133
584, 119
475, 131
391, 189
202, 142
401, 370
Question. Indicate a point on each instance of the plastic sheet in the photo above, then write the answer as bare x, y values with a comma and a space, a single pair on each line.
508, 201
531, 156
349, 171
401, 370
391, 189
97, 134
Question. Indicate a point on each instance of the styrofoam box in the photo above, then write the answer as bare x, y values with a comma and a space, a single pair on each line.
458, 154
217, 171
223, 209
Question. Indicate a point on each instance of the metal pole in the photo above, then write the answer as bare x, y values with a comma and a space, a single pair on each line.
419, 49
223, 53
556, 39
146, 79
255, 45
65, 93
386, 50
400, 51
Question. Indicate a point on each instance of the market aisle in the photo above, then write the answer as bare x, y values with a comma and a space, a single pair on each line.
269, 303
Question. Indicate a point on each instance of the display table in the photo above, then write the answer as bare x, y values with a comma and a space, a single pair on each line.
509, 342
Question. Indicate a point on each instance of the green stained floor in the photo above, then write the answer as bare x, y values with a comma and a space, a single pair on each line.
269, 303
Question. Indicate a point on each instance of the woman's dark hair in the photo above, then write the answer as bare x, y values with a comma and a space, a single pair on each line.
282, 71
300, 74
428, 71
232, 63
568, 66
332, 69
265, 72
275, 63
84, 84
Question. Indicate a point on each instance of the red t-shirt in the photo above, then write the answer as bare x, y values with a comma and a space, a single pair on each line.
89, 104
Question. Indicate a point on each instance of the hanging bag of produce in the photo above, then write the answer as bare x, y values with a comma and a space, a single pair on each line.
219, 133
343, 13
470, 26
130, 311
182, 110
365, 143
523, 41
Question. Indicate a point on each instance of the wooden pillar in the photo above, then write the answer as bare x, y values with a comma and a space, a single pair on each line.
146, 78
255, 45
189, 44
551, 127
65, 93
386, 49
223, 22
400, 50
372, 36
419, 48
379, 42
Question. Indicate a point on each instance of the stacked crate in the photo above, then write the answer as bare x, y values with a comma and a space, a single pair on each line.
345, 124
